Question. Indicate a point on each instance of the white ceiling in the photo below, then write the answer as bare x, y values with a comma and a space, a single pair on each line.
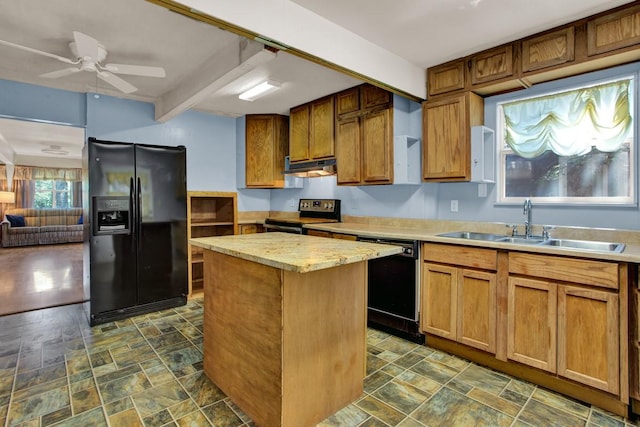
141, 33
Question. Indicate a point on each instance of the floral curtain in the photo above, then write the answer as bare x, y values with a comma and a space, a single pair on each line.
571, 123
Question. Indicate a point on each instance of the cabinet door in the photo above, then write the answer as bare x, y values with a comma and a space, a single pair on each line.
321, 128
439, 300
588, 337
548, 50
348, 101
446, 136
477, 310
532, 323
267, 142
348, 151
299, 133
446, 77
493, 64
373, 96
613, 31
377, 149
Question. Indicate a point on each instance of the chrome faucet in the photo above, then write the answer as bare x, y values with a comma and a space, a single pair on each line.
528, 207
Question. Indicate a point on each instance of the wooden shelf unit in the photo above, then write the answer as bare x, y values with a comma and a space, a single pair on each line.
209, 213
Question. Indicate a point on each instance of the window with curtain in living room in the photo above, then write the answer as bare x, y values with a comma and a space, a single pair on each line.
39, 187
570, 147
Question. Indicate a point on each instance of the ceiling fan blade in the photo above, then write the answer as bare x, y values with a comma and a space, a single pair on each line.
117, 82
39, 52
86, 45
136, 70
60, 73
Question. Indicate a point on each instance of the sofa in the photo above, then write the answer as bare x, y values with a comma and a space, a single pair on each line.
42, 226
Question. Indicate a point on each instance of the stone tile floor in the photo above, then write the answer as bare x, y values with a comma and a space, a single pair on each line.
147, 371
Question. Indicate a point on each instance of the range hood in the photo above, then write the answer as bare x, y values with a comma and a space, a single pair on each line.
310, 169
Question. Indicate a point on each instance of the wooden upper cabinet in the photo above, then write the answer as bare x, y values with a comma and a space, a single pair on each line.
299, 133
446, 78
348, 151
377, 147
364, 136
548, 50
373, 96
321, 128
492, 64
613, 31
348, 101
447, 136
267, 143
312, 130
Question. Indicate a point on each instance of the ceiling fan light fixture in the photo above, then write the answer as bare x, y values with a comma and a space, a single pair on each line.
55, 149
259, 90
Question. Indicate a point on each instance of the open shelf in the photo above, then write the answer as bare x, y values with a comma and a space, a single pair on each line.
209, 213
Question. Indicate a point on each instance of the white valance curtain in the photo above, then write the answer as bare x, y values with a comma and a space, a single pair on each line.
571, 123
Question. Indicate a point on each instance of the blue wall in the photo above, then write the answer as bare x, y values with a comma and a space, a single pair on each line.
30, 102
210, 140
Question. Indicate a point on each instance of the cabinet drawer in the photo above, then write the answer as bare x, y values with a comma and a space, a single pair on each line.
587, 272
613, 31
548, 50
467, 256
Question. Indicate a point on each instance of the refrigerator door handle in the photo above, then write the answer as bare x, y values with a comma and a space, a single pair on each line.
139, 214
132, 214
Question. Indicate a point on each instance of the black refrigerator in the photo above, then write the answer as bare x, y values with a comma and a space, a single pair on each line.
135, 238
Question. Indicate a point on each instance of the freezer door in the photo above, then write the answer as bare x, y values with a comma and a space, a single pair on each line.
112, 258
162, 222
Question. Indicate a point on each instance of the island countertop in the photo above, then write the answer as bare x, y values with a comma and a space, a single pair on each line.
294, 252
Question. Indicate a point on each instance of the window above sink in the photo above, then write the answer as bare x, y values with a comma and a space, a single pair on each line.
572, 142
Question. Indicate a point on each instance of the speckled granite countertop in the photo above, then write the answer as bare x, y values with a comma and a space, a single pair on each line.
294, 252
428, 232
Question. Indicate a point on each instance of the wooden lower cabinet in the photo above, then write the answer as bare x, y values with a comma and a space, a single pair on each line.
439, 302
532, 323
250, 228
476, 325
588, 334
558, 321
460, 305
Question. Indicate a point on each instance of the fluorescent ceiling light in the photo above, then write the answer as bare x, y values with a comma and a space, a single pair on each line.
259, 90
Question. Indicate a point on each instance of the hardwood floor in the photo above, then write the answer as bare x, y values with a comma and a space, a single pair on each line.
34, 277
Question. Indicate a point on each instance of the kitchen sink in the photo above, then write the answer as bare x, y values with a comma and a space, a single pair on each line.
582, 245
474, 236
585, 245
522, 240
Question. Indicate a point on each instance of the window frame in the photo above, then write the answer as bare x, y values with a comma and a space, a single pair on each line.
572, 83
53, 192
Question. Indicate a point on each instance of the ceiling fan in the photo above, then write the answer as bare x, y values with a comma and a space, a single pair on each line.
89, 54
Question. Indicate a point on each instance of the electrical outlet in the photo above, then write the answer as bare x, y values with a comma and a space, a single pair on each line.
454, 206
292, 203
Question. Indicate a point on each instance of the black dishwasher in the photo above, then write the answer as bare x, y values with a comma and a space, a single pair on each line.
393, 290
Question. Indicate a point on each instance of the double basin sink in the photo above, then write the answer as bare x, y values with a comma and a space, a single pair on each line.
582, 245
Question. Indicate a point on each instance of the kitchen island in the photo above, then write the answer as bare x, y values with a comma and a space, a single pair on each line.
285, 323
